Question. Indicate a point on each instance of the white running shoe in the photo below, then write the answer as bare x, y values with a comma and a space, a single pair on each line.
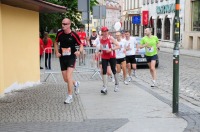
104, 90
130, 79
153, 83
125, 82
68, 100
76, 87
116, 89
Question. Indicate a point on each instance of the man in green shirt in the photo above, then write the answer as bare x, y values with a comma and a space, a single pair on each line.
151, 45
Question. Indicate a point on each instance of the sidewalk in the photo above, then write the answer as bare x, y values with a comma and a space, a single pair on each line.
133, 109
192, 53
144, 112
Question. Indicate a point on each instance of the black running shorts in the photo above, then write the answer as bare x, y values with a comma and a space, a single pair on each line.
130, 59
67, 62
120, 60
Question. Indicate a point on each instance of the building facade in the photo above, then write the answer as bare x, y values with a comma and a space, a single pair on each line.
132, 16
191, 37
19, 42
161, 16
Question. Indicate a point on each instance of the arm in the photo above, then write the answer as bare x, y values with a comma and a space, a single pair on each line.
56, 49
115, 43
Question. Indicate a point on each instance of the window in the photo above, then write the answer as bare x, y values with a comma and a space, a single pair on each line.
144, 2
196, 16
152, 1
156, 1
147, 1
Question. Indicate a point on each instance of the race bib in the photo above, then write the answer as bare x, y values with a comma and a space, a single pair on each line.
129, 46
105, 47
150, 49
92, 41
83, 42
66, 51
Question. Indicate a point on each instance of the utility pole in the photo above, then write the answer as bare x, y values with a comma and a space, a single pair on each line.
88, 9
176, 60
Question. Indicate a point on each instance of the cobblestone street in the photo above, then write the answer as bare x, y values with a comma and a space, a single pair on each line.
189, 76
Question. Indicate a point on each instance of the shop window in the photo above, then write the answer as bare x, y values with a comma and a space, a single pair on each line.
161, 0
196, 15
147, 1
152, 1
159, 28
167, 29
151, 25
173, 36
198, 43
156, 1
190, 42
144, 2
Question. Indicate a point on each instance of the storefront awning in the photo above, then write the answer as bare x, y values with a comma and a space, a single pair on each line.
35, 5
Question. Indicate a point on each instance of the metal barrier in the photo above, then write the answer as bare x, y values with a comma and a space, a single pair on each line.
90, 63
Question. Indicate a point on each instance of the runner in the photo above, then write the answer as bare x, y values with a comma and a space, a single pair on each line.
121, 56
123, 35
67, 54
108, 45
131, 45
83, 38
151, 45
98, 56
93, 37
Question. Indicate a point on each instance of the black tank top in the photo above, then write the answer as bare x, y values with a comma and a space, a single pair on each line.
92, 38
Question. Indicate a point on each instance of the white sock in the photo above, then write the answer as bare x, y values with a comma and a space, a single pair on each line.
70, 96
154, 81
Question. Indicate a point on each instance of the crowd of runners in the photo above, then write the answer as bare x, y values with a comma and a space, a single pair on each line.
116, 55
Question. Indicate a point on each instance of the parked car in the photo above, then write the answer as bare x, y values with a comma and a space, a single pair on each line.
140, 55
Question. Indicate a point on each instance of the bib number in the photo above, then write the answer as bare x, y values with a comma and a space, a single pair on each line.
66, 51
150, 49
105, 47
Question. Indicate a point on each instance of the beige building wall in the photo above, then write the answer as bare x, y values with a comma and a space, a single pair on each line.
1, 55
191, 39
19, 50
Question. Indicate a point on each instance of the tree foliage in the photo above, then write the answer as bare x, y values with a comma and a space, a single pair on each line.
53, 20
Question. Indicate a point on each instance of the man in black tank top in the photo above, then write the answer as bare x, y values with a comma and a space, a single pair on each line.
93, 37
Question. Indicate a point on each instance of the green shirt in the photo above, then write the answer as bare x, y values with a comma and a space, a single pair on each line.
152, 43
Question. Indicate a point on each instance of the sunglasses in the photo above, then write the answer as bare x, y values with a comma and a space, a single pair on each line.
65, 24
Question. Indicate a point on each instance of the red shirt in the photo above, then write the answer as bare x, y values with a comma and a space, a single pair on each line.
106, 45
41, 46
48, 45
82, 36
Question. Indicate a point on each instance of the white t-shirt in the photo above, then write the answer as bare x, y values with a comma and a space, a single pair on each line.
97, 43
120, 52
132, 44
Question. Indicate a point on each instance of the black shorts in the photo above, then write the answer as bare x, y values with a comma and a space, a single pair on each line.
66, 62
150, 58
130, 59
120, 60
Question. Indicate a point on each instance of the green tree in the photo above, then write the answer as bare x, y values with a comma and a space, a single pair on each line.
53, 21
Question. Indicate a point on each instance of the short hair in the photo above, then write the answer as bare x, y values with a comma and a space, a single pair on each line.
126, 31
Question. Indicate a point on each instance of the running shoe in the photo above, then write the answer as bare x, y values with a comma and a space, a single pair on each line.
76, 87
68, 100
104, 90
153, 83
130, 79
125, 82
116, 89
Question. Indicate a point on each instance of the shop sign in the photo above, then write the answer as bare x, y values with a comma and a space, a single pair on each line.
134, 12
145, 17
136, 20
170, 8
